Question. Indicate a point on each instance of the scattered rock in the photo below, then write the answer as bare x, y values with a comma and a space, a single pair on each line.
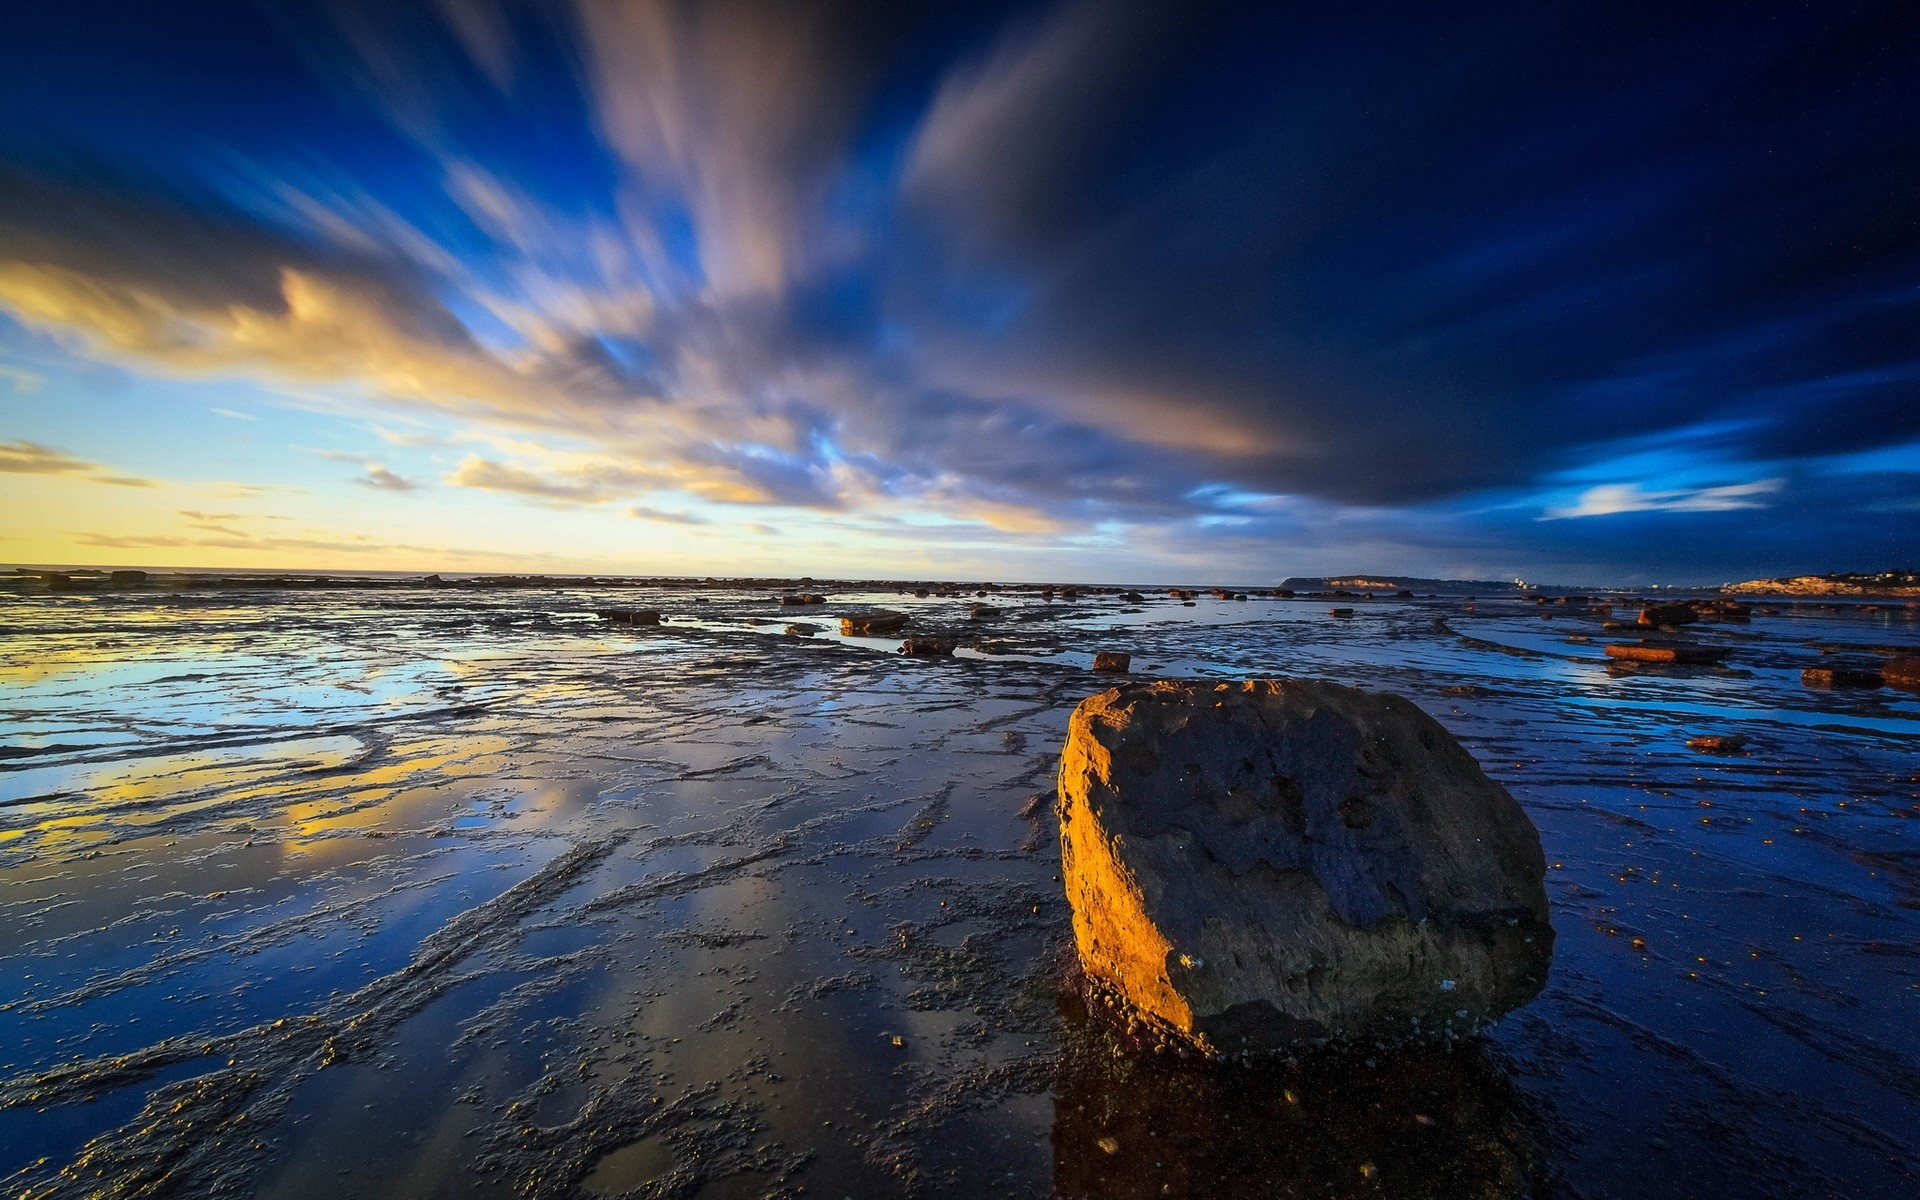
1694, 655
872, 624
1718, 743
1840, 677
127, 579
1339, 612
1133, 597
1262, 864
982, 612
803, 598
802, 629
1117, 661
925, 646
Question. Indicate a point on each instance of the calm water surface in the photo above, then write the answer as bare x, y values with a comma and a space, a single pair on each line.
459, 893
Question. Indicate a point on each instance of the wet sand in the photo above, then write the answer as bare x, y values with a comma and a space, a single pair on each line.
449, 892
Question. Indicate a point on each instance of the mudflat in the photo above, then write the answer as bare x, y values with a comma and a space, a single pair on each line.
326, 892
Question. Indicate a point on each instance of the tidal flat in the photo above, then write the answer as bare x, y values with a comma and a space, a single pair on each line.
451, 892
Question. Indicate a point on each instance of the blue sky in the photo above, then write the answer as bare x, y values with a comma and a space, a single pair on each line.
1071, 291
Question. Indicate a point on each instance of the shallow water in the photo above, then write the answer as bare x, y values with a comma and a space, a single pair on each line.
447, 892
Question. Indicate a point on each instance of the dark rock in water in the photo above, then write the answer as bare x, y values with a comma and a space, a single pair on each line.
872, 624
982, 612
1685, 655
1403, 594
803, 598
1268, 863
1133, 597
1840, 677
1668, 614
1113, 660
1902, 673
1283, 593
57, 581
924, 646
630, 616
802, 629
1718, 743
127, 579
1339, 612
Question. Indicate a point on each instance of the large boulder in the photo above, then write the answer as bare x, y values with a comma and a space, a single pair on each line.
1264, 864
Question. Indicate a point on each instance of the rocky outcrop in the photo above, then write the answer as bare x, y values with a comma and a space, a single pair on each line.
1895, 584
925, 646
1117, 661
1261, 864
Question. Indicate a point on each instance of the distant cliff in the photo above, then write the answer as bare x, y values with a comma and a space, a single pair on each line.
1892, 584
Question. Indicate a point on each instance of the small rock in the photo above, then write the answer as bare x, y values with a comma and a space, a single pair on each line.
872, 624
1840, 677
1117, 661
802, 629
1668, 614
803, 598
982, 612
1340, 612
924, 646
1696, 655
1902, 673
630, 616
1718, 743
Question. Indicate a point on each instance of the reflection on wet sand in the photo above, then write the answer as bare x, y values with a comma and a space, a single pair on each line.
1419, 1123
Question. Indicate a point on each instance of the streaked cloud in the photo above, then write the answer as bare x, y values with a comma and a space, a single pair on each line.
1611, 498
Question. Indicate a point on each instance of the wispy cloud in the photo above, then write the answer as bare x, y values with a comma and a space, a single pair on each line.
487, 475
24, 382
642, 513
376, 474
32, 458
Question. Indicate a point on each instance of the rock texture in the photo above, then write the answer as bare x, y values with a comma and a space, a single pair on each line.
1277, 862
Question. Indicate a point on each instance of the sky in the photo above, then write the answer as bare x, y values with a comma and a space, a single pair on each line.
1583, 293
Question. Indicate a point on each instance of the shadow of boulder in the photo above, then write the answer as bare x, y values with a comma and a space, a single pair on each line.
1408, 1122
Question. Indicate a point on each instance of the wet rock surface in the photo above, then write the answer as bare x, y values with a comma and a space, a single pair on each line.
378, 887
1273, 863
